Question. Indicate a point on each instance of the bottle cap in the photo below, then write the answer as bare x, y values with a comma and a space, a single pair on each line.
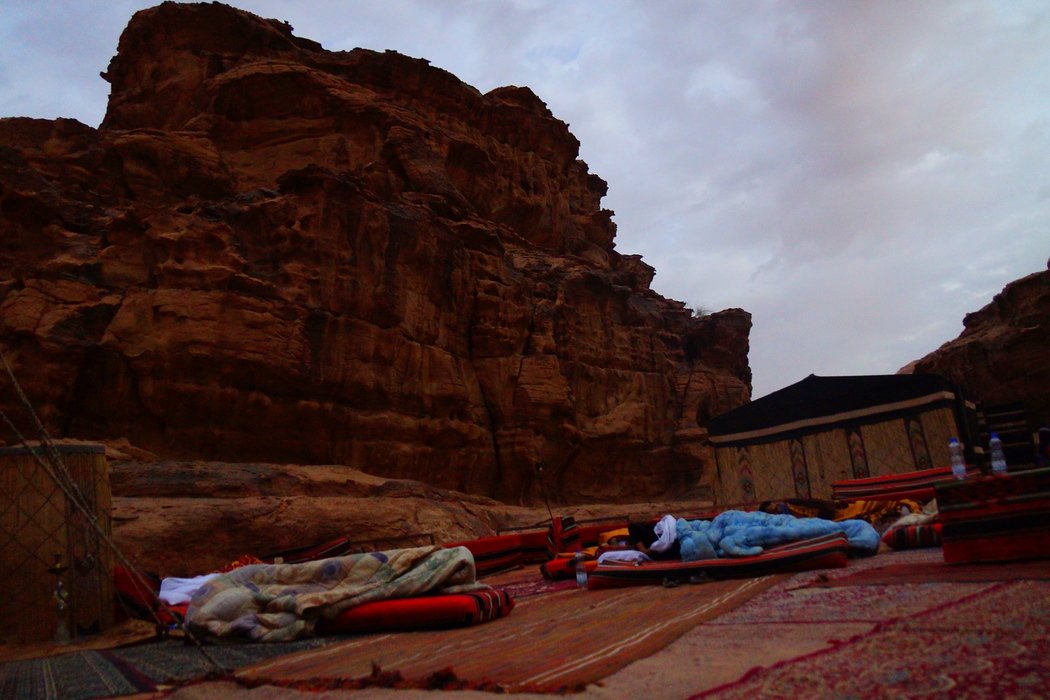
995, 436
953, 441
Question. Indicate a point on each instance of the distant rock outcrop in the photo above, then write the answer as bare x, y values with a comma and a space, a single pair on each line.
273, 252
1002, 355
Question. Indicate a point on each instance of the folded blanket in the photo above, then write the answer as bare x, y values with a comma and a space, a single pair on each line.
735, 533
278, 602
871, 511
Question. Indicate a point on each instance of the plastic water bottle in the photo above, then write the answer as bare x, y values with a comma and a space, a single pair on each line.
581, 572
995, 448
958, 463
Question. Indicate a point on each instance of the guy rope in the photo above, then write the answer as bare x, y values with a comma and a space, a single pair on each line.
56, 470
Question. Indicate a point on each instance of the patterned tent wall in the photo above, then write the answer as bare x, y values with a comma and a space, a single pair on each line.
804, 466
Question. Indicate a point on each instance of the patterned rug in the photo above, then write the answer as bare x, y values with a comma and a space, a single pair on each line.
551, 643
527, 582
939, 572
971, 641
134, 669
557, 638
923, 639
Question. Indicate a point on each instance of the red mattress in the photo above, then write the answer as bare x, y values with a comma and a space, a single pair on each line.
590, 533
893, 487
494, 554
996, 518
825, 552
404, 614
423, 612
534, 546
563, 568
913, 536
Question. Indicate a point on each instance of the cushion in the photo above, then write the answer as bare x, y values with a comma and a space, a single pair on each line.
421, 612
996, 518
914, 484
494, 554
562, 568
913, 536
562, 536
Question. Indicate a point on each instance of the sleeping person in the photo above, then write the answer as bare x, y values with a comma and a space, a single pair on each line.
657, 540
734, 533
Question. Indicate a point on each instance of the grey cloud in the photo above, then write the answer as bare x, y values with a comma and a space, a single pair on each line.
857, 175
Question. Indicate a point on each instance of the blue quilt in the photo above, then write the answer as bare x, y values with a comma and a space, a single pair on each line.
735, 533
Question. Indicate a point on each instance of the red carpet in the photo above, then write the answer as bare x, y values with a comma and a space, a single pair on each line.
554, 642
991, 643
939, 572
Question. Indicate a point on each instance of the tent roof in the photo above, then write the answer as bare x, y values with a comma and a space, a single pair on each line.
821, 397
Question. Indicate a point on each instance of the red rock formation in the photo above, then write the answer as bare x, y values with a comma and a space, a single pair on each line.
273, 252
1001, 356
162, 511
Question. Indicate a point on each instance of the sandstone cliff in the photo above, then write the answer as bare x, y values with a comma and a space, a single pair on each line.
165, 509
1001, 356
272, 252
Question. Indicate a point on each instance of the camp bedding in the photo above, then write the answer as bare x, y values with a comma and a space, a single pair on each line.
829, 551
996, 518
563, 567
420, 612
735, 533
494, 554
399, 614
915, 484
913, 536
505, 551
278, 602
877, 510
563, 534
533, 546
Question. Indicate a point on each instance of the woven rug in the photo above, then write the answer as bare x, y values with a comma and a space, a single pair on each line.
988, 641
939, 572
527, 582
134, 669
561, 641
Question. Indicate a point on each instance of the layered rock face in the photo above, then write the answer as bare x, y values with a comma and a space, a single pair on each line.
1002, 355
272, 252
166, 509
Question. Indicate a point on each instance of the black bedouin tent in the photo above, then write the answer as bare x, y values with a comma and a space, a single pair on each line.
795, 442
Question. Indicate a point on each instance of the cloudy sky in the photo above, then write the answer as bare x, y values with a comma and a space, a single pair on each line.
857, 175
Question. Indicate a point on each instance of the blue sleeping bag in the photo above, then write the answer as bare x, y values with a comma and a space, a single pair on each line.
736, 533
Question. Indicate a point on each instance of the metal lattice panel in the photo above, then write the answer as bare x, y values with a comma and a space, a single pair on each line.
39, 528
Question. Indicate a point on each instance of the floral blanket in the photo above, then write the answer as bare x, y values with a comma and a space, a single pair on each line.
735, 533
278, 602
